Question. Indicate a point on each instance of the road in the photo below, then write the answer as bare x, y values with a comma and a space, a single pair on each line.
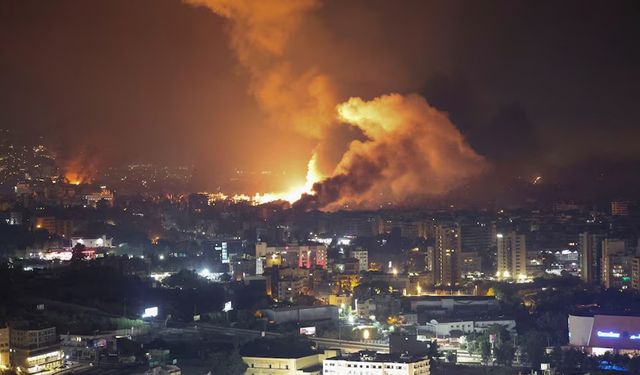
325, 343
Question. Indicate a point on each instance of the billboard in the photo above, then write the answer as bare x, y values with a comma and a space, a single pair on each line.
150, 312
227, 306
308, 331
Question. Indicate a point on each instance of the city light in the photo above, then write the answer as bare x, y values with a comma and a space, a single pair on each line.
312, 167
150, 312
205, 273
609, 334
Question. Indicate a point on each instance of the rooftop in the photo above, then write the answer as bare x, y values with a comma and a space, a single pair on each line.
371, 356
457, 298
607, 312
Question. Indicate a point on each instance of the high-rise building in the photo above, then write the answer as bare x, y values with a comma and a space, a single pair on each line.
222, 249
470, 264
416, 260
635, 273
616, 263
512, 256
4, 348
363, 258
620, 208
448, 247
590, 249
476, 236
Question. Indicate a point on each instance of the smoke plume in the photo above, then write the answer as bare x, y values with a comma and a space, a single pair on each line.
409, 149
260, 32
81, 169
412, 151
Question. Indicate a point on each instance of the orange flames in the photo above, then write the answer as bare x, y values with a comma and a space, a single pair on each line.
73, 178
410, 150
294, 194
79, 171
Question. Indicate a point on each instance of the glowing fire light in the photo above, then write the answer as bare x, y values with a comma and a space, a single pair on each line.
292, 195
73, 178
313, 176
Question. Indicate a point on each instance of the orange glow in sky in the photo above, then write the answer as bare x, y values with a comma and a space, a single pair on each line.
295, 193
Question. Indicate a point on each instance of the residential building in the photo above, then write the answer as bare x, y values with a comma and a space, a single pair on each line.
635, 273
445, 327
590, 249
372, 363
616, 263
304, 365
363, 258
448, 246
470, 264
302, 256
620, 208
35, 350
5, 361
511, 256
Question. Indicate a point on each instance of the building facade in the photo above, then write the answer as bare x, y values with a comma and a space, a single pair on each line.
590, 248
34, 351
372, 363
363, 258
511, 256
307, 365
448, 247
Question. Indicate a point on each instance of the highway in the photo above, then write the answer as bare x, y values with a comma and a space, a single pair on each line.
325, 343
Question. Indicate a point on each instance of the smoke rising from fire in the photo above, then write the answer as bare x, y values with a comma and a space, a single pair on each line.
80, 169
260, 32
410, 149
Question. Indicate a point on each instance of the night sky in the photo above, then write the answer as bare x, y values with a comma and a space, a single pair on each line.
535, 87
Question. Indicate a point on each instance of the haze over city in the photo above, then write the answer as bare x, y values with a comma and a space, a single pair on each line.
314, 186
227, 87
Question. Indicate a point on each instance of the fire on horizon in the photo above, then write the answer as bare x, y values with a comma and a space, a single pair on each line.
358, 104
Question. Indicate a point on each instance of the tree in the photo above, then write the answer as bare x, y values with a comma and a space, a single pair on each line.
451, 357
432, 352
573, 359
227, 363
185, 279
77, 252
555, 325
533, 346
485, 351
504, 354
494, 342
556, 357
634, 366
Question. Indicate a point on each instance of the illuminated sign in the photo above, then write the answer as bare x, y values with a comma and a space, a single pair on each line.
150, 312
610, 334
635, 337
308, 331
227, 307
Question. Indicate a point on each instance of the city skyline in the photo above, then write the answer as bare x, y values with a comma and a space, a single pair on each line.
289, 187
